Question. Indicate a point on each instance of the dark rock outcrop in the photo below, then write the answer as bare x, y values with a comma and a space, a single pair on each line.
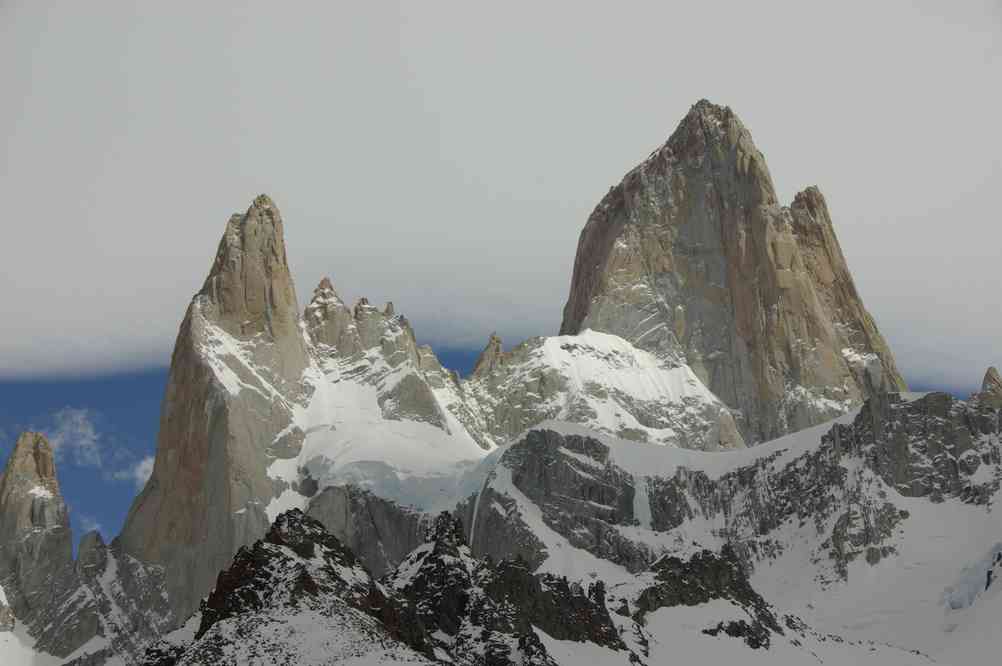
704, 577
295, 596
475, 607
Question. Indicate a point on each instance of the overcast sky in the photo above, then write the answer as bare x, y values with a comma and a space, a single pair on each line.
446, 155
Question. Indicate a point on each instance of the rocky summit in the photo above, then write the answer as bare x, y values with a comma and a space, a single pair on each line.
693, 258
35, 539
237, 364
991, 388
716, 459
103, 606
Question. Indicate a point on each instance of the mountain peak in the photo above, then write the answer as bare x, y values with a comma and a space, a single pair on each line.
491, 357
692, 258
264, 202
704, 108
33, 459
249, 283
992, 382
35, 538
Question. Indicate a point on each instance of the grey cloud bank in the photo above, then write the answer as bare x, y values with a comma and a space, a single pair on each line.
446, 157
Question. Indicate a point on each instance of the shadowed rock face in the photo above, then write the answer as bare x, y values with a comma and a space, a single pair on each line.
692, 257
379, 531
64, 604
35, 538
209, 486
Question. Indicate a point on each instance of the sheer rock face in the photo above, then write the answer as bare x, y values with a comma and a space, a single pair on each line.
991, 389
235, 375
249, 290
380, 532
35, 537
692, 257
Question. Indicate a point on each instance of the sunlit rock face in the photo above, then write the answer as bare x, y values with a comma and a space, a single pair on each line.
235, 374
693, 258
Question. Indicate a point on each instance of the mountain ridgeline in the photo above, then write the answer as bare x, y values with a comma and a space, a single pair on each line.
716, 453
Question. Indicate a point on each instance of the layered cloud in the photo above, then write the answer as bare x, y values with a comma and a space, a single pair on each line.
451, 170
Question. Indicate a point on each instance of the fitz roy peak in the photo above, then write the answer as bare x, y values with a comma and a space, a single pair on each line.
715, 460
693, 258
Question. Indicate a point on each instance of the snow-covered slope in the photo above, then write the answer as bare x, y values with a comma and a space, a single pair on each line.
865, 527
380, 414
600, 381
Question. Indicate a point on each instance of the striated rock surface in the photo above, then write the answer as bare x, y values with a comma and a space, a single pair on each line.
693, 258
234, 378
380, 532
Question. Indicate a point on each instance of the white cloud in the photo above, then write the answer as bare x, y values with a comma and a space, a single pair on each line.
89, 524
73, 433
138, 473
444, 170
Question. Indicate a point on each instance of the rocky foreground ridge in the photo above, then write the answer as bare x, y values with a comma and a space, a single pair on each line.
299, 596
